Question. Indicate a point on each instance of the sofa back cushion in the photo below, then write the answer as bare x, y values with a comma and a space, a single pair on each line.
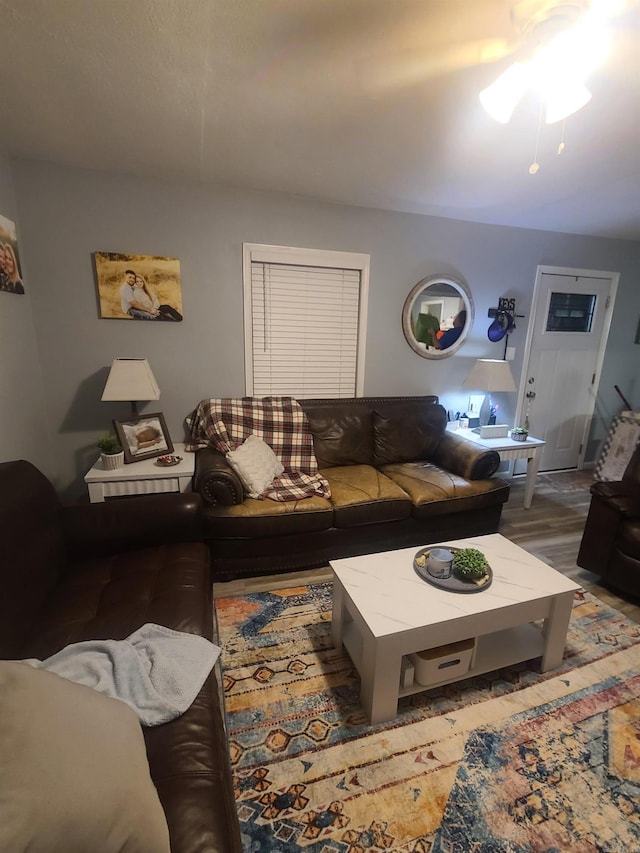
343, 436
33, 551
343, 428
408, 434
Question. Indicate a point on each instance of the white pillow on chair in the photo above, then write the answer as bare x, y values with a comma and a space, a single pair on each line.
255, 463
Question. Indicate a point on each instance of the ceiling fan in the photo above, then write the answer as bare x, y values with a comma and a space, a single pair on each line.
456, 36
564, 42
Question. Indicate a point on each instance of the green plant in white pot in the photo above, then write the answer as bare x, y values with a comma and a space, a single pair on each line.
111, 453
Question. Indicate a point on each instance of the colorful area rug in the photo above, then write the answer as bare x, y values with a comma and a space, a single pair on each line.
509, 762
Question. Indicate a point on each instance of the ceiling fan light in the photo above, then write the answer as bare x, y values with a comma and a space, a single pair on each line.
577, 52
563, 101
501, 98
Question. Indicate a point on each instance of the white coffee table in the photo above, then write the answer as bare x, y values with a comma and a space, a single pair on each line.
531, 450
146, 477
382, 610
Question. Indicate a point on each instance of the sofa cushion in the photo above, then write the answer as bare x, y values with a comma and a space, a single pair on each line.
255, 463
360, 494
74, 775
342, 437
434, 491
407, 435
253, 518
110, 597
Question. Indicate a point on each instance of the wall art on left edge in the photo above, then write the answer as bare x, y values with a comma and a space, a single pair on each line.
10, 274
138, 287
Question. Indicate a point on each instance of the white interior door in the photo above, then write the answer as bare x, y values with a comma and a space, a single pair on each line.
570, 324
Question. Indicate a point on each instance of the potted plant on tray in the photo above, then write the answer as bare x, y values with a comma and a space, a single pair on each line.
111, 453
519, 433
470, 564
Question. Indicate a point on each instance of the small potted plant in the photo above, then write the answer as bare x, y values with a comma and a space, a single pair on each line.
111, 453
519, 433
470, 564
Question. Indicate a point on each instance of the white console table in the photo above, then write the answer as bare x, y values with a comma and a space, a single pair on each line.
531, 450
146, 477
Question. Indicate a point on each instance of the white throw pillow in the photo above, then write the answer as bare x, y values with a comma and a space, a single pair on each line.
255, 463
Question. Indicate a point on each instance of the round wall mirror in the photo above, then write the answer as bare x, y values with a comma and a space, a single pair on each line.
437, 316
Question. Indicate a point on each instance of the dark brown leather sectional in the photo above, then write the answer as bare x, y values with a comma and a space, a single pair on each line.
610, 545
398, 478
101, 571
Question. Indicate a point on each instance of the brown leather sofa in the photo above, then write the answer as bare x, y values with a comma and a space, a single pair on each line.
398, 478
100, 571
610, 545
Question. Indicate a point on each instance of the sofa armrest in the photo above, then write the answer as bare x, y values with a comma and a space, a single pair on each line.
464, 458
102, 529
215, 480
611, 505
622, 497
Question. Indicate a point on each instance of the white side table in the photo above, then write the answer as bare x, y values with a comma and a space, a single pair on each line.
531, 450
141, 478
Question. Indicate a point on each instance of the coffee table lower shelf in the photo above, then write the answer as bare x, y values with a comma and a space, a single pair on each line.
492, 651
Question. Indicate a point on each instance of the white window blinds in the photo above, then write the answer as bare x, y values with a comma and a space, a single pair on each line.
305, 322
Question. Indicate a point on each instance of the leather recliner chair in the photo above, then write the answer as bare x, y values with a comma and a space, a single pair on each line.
610, 544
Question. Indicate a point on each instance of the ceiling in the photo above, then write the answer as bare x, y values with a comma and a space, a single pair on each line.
365, 102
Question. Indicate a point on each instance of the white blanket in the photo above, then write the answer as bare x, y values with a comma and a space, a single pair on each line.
157, 671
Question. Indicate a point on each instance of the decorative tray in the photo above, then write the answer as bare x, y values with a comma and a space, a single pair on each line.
454, 583
168, 461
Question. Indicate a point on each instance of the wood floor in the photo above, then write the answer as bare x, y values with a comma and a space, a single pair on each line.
551, 529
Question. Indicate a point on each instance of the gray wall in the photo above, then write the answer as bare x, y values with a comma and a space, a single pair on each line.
24, 430
66, 214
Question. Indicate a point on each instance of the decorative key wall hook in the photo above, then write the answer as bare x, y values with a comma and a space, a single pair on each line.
503, 320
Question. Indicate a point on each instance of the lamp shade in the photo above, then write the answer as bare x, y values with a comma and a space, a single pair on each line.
490, 374
131, 379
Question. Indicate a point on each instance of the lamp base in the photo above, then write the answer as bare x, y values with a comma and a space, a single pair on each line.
485, 411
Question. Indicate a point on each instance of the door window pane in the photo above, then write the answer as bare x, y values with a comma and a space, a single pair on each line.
571, 312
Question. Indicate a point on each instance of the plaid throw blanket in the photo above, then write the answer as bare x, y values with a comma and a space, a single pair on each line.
280, 422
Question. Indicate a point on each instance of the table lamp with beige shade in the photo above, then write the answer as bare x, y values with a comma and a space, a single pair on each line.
131, 379
490, 375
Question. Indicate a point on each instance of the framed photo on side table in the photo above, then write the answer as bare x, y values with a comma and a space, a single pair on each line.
143, 437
